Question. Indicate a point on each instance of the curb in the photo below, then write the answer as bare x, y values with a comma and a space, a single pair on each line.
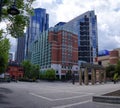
107, 99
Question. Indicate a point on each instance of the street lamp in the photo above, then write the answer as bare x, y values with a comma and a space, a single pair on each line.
1, 4
12, 10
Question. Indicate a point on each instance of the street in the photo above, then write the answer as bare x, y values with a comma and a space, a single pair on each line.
53, 95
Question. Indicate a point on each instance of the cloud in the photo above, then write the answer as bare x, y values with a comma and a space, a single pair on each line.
107, 11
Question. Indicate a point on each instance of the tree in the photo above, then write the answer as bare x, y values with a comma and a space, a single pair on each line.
117, 68
115, 77
31, 71
27, 68
4, 53
50, 74
35, 71
16, 23
110, 71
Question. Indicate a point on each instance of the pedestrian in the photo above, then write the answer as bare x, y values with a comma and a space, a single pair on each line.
73, 78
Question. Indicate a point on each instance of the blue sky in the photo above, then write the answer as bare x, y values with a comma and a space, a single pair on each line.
107, 11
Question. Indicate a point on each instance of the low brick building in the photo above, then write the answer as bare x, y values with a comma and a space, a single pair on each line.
111, 58
14, 70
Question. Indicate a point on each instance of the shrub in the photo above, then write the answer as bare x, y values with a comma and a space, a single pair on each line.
50, 74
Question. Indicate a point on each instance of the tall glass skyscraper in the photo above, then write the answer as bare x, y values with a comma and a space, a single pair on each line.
85, 26
39, 22
19, 57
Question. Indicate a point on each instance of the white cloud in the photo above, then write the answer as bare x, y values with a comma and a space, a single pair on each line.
107, 11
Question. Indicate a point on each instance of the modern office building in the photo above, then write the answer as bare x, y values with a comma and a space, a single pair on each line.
20, 53
39, 22
62, 46
85, 26
57, 49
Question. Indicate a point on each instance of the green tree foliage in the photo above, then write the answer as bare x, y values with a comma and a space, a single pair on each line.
50, 74
4, 53
27, 68
117, 68
42, 75
16, 23
115, 77
31, 71
110, 71
35, 70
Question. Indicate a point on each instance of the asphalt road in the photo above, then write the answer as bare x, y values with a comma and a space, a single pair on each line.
53, 95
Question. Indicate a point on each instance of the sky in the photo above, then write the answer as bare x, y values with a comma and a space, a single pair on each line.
107, 11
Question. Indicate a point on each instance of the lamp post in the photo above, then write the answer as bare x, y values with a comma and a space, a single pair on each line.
12, 10
1, 3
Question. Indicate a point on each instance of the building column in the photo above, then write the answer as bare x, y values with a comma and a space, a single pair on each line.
60, 74
93, 76
86, 76
104, 79
100, 77
80, 76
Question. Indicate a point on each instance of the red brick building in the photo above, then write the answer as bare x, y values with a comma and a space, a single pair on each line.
64, 50
56, 49
15, 70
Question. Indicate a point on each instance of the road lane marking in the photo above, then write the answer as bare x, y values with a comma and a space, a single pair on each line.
73, 97
49, 99
41, 96
70, 105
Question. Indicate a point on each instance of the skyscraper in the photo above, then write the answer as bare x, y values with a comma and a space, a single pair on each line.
39, 22
85, 26
20, 53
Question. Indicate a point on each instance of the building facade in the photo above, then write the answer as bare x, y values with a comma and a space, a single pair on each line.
20, 53
57, 50
15, 70
108, 58
85, 26
39, 22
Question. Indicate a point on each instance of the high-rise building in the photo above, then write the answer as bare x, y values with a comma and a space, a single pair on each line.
85, 26
20, 53
62, 46
57, 49
39, 22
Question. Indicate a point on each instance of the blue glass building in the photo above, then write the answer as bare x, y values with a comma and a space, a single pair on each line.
39, 22
19, 57
85, 26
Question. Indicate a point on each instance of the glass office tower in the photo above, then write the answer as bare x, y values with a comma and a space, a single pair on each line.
39, 22
20, 49
85, 26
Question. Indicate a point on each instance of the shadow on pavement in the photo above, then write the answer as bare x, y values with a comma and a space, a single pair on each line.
5, 90
3, 97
